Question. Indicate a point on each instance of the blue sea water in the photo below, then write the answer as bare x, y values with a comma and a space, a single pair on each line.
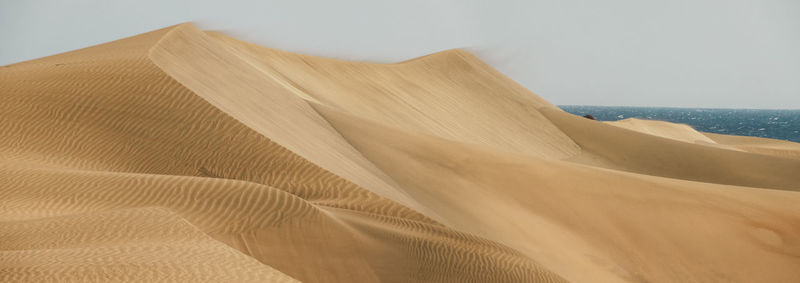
775, 124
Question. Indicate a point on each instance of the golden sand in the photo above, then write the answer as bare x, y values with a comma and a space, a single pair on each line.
184, 155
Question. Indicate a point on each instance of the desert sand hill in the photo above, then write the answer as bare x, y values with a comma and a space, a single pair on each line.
183, 155
773, 147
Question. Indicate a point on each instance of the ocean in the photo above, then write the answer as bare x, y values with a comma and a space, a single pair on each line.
775, 124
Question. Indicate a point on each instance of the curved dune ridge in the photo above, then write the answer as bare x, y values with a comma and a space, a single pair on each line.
184, 155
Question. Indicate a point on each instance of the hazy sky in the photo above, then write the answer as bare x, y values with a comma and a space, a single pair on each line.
694, 53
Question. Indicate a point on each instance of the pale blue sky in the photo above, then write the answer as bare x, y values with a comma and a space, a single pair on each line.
692, 53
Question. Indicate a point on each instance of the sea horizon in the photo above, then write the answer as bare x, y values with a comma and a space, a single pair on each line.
677, 107
781, 124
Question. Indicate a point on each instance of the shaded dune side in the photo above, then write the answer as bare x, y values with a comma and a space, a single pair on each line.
450, 94
591, 224
142, 244
104, 129
443, 254
622, 149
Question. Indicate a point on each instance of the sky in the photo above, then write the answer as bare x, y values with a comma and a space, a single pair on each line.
677, 53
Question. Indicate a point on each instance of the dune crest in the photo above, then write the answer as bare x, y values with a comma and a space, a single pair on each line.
184, 155
679, 132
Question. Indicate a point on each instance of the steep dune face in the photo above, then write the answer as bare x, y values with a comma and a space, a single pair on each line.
181, 155
251, 94
450, 94
105, 128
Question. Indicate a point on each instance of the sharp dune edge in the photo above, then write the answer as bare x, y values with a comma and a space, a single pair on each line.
184, 155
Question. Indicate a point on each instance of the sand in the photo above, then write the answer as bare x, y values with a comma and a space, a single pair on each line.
184, 155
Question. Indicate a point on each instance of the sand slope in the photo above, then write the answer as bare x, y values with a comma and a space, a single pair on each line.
772, 147
679, 132
182, 155
616, 226
450, 94
618, 148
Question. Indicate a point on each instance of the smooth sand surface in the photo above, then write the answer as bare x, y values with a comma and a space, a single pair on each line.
679, 132
184, 155
779, 148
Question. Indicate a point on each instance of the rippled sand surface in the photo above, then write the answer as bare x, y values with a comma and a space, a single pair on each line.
184, 155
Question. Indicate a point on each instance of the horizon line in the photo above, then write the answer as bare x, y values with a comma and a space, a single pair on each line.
679, 107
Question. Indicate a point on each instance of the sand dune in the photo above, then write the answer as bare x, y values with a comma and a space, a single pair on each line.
451, 94
679, 132
618, 148
183, 155
772, 147
141, 244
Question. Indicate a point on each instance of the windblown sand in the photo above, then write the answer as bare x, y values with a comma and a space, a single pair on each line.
183, 155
